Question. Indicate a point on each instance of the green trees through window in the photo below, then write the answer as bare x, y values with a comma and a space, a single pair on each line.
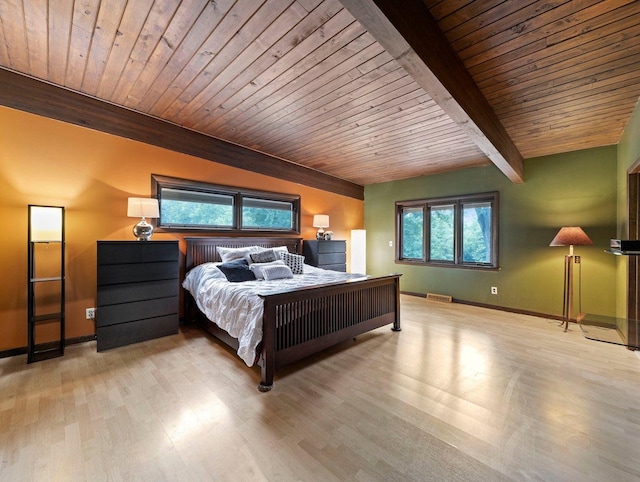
180, 207
476, 232
442, 233
196, 205
266, 214
412, 233
456, 231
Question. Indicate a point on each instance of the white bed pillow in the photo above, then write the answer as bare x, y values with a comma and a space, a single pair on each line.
229, 254
257, 267
195, 275
276, 272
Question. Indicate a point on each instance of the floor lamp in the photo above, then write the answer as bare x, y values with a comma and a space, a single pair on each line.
569, 236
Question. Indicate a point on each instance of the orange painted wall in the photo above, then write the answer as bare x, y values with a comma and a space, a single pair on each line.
91, 174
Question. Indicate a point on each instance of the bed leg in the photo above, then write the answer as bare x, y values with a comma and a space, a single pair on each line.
266, 381
396, 323
267, 370
268, 347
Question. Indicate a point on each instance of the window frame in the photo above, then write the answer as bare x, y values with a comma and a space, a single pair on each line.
158, 183
493, 198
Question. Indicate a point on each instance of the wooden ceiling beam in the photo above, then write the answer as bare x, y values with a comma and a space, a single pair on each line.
31, 95
412, 37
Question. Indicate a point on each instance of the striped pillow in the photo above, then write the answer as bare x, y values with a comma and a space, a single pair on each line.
276, 272
256, 268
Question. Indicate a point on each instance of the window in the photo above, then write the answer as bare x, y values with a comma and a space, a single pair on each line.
413, 233
266, 214
441, 219
192, 205
459, 231
186, 208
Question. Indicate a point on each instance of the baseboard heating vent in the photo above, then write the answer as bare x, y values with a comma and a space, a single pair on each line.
436, 297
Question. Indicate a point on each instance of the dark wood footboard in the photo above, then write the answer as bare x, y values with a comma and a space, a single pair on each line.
299, 323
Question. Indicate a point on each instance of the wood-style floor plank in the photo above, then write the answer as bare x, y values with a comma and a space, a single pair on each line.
462, 393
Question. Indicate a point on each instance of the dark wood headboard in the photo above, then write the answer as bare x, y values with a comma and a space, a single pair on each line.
203, 249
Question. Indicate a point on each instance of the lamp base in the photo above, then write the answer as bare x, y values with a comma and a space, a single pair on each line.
320, 234
567, 301
143, 230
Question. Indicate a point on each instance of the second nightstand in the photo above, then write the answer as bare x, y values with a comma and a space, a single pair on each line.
326, 254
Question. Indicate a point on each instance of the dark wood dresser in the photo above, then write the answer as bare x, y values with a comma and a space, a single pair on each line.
138, 289
326, 254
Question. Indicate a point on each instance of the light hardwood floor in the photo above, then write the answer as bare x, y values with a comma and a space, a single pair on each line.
462, 393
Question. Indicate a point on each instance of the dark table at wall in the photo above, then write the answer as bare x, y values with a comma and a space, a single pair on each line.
326, 254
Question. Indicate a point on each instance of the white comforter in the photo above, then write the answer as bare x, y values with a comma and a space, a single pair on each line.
237, 307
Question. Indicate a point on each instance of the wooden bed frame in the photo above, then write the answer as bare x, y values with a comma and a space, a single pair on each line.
302, 322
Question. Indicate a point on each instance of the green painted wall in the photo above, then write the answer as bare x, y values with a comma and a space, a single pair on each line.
577, 188
628, 153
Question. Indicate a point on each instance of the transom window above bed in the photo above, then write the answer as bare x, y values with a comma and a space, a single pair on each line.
194, 205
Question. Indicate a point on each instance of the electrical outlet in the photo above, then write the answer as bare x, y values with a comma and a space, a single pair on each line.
90, 313
391, 244
494, 290
576, 259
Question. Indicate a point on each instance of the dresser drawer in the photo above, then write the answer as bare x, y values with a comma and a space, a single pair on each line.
136, 310
113, 336
123, 252
331, 258
137, 272
332, 247
127, 292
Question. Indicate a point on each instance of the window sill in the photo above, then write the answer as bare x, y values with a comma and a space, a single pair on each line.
447, 265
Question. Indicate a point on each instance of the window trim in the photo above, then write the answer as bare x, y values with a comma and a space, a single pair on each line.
159, 182
458, 201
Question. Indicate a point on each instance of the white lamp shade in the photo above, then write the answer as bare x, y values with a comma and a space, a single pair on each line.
321, 221
142, 207
358, 251
46, 223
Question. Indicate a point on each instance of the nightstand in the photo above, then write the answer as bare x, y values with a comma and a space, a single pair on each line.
138, 289
326, 254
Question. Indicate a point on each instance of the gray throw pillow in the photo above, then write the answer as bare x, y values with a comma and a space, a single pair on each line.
265, 256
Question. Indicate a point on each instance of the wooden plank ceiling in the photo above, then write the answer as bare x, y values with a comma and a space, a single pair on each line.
306, 82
